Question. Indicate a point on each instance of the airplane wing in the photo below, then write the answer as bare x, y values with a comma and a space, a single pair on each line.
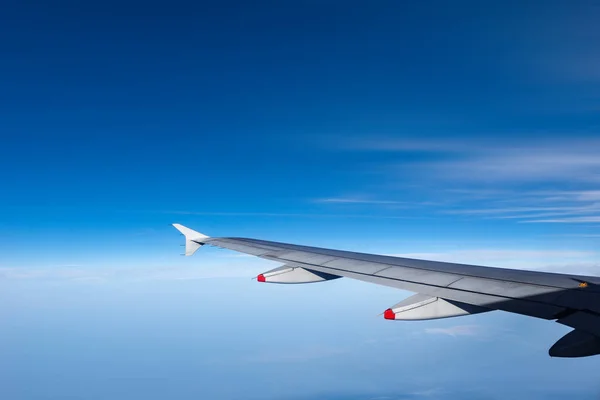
442, 289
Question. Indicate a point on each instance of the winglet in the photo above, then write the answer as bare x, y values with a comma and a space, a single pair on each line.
193, 239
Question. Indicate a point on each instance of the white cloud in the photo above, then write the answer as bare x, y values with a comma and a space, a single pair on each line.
407, 144
235, 255
528, 165
573, 211
351, 200
569, 220
524, 161
495, 211
488, 159
288, 215
493, 176
578, 195
429, 392
458, 330
296, 355
106, 274
580, 235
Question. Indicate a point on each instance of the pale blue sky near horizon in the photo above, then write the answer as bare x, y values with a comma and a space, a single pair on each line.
465, 131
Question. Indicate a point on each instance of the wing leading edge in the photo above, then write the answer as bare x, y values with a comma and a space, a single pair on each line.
444, 289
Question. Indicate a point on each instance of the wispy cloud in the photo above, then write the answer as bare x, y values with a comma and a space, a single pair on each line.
296, 355
578, 235
285, 215
568, 220
572, 195
53, 273
236, 255
541, 180
519, 212
526, 161
524, 165
580, 207
408, 144
246, 214
107, 274
351, 200
431, 392
458, 330
488, 159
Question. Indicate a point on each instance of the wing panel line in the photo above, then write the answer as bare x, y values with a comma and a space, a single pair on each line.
464, 274
383, 279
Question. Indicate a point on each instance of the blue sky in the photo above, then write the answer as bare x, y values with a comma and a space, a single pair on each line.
463, 131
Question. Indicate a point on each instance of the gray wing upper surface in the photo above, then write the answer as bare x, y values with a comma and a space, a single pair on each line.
572, 300
537, 294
